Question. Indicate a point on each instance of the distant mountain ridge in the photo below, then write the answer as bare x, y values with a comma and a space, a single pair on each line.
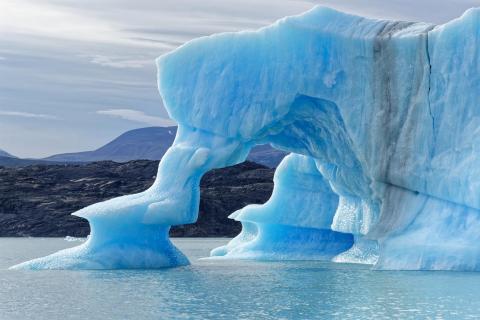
9, 160
151, 143
17, 162
146, 143
5, 154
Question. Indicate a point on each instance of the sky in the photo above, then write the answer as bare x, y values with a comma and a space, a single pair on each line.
76, 74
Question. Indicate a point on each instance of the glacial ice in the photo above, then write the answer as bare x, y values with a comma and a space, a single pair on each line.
382, 121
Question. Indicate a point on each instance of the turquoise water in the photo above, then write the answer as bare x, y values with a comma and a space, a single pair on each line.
228, 289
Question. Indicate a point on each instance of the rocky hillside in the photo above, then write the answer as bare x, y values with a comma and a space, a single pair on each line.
38, 200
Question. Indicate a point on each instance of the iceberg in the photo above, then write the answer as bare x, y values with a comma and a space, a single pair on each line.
382, 123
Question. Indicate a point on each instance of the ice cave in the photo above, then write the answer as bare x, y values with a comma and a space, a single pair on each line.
383, 127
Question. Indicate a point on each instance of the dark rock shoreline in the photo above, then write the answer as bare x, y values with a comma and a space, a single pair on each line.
37, 200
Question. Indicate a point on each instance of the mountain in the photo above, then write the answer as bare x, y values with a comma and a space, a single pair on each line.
8, 160
151, 144
145, 143
5, 154
17, 162
266, 155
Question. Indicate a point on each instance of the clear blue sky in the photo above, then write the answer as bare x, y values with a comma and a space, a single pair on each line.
75, 74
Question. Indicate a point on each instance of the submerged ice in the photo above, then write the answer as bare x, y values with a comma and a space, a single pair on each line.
382, 121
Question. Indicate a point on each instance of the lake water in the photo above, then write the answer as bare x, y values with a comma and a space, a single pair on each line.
213, 289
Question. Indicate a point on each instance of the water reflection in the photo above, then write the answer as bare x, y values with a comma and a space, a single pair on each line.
230, 289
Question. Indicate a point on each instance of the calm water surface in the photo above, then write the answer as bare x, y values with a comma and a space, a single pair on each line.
228, 289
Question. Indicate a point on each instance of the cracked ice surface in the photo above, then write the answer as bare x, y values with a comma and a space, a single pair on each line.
381, 118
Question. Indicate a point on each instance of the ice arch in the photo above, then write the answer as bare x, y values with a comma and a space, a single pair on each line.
382, 117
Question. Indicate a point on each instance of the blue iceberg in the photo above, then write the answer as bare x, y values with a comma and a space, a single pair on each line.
380, 118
